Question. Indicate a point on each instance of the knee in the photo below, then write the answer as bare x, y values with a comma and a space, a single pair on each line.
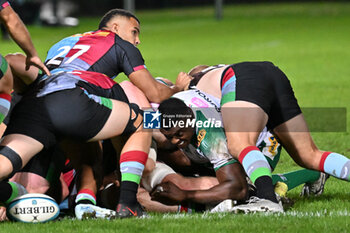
15, 58
10, 162
5, 167
236, 148
11, 57
232, 149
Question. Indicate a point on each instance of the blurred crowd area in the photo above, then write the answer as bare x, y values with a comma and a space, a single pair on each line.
65, 12
44, 12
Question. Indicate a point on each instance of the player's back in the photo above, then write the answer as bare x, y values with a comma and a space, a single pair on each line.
100, 51
210, 82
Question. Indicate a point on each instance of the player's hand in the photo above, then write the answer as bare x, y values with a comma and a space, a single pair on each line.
168, 193
2, 214
183, 81
35, 61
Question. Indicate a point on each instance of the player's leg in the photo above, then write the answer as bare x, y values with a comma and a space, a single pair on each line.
296, 178
290, 127
242, 134
132, 162
125, 118
247, 96
22, 140
314, 181
87, 161
21, 77
42, 173
15, 151
112, 118
298, 142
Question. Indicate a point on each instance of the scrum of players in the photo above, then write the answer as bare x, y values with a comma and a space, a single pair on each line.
75, 134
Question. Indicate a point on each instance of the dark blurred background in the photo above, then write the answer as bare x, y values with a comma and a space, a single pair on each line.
29, 8
66, 12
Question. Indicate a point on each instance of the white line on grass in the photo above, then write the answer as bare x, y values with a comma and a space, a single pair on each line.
299, 214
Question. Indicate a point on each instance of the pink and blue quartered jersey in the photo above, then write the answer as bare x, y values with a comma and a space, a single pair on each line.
99, 51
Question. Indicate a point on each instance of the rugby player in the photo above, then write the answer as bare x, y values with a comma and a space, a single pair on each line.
75, 111
109, 50
254, 95
215, 152
21, 36
208, 146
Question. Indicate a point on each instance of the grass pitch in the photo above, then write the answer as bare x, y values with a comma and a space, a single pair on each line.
308, 41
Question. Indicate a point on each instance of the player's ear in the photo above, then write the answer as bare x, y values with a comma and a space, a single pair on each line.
115, 28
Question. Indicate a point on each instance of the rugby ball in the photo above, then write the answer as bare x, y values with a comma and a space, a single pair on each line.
33, 208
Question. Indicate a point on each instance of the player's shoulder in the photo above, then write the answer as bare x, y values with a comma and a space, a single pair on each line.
97, 33
125, 45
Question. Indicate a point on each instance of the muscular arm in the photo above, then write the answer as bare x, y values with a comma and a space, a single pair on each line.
20, 34
17, 30
155, 91
232, 185
191, 183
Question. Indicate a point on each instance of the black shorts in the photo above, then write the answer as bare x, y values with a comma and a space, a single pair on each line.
78, 113
265, 85
48, 164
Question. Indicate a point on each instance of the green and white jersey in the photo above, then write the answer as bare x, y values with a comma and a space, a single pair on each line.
211, 145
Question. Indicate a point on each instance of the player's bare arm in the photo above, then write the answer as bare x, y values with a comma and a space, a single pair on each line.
232, 185
155, 91
20, 34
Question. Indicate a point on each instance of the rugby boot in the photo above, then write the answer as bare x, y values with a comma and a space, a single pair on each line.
255, 204
316, 188
89, 211
128, 211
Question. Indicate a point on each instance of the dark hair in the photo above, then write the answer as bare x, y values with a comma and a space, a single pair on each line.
113, 13
175, 109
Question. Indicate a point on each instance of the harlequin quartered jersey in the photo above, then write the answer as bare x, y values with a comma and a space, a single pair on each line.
3, 4
99, 51
77, 56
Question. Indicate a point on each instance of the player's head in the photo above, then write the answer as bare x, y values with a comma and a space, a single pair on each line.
197, 69
195, 72
174, 111
123, 23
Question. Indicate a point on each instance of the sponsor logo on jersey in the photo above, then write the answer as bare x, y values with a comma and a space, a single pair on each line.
201, 135
201, 94
273, 146
199, 103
